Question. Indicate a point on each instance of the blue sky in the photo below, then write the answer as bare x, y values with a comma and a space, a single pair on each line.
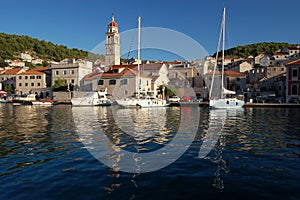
82, 24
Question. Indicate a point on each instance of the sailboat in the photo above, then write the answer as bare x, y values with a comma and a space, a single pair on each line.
147, 101
225, 99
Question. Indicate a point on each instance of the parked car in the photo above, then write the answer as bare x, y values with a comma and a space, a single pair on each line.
294, 100
174, 99
186, 98
279, 100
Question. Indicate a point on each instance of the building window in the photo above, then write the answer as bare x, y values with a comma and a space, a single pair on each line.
282, 69
38, 77
32, 77
39, 84
72, 81
65, 72
72, 71
57, 72
32, 84
20, 77
124, 81
26, 84
125, 92
26, 77
294, 90
100, 82
112, 82
20, 84
294, 73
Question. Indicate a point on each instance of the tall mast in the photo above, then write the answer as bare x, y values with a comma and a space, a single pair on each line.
216, 63
138, 55
223, 47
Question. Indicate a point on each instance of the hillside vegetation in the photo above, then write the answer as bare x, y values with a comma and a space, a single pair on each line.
12, 45
256, 49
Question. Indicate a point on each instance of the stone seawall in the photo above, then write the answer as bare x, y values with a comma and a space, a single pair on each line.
62, 97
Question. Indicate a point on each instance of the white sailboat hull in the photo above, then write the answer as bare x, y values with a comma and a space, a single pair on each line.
149, 103
127, 102
142, 102
226, 103
89, 102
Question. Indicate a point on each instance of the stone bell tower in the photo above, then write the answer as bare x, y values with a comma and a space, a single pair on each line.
112, 53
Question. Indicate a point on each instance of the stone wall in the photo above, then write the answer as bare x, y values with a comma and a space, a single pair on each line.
62, 97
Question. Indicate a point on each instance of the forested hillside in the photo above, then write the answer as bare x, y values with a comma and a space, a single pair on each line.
12, 45
256, 49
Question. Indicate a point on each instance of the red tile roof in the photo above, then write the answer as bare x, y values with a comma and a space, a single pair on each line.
13, 71
293, 48
280, 53
41, 68
295, 62
229, 73
90, 76
37, 70
126, 72
32, 72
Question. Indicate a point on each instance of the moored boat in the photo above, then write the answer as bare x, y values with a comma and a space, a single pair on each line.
98, 98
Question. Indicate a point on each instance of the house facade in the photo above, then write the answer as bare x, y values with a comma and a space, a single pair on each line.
121, 81
241, 66
8, 77
71, 71
187, 79
34, 81
293, 80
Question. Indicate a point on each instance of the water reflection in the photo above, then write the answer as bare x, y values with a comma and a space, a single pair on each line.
160, 145
26, 136
40, 147
215, 138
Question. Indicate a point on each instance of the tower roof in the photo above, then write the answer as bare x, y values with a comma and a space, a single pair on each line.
113, 23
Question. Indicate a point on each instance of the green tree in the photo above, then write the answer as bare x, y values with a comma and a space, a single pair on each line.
9, 89
3, 64
168, 91
60, 85
29, 65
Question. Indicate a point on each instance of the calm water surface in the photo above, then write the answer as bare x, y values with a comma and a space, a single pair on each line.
45, 156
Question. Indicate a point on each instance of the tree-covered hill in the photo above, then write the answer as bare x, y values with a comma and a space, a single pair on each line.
256, 49
12, 45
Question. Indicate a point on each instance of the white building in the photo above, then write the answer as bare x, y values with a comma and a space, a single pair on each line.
71, 71
26, 57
